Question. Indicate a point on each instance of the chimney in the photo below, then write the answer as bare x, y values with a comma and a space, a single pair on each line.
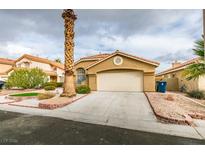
176, 64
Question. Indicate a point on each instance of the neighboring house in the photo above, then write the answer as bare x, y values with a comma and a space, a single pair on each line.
54, 70
176, 81
116, 72
5, 65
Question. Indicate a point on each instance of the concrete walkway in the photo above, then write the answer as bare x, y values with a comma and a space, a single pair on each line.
120, 109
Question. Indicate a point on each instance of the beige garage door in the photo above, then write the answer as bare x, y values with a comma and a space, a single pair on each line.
120, 81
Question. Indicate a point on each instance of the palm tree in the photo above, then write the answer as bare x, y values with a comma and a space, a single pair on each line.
196, 69
58, 60
69, 85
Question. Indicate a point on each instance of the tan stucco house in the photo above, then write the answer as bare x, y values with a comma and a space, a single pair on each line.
5, 65
118, 71
176, 80
54, 70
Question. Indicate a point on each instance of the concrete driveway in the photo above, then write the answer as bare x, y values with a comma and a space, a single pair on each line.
128, 110
112, 106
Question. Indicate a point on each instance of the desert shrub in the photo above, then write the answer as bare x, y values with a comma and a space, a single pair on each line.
59, 84
183, 88
83, 89
47, 95
198, 94
47, 88
54, 84
27, 78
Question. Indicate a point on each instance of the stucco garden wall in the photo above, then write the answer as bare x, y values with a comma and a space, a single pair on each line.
189, 84
202, 83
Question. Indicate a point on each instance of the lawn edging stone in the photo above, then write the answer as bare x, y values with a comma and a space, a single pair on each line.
51, 106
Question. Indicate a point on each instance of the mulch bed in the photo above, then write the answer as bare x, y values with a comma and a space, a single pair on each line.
175, 108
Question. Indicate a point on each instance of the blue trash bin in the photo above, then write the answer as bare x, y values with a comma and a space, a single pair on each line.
161, 86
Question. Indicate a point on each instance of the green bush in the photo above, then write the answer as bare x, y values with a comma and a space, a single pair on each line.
50, 84
59, 84
27, 78
196, 94
83, 90
47, 88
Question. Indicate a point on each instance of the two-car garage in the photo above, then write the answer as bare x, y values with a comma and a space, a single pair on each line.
120, 80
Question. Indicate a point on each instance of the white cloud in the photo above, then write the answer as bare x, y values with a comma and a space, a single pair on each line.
146, 33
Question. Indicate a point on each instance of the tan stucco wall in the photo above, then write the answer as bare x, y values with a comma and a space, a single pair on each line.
202, 82
92, 82
190, 85
172, 84
128, 64
149, 82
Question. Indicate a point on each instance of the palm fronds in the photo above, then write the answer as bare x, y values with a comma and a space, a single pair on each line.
199, 48
197, 69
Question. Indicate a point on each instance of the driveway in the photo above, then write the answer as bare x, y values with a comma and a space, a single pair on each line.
113, 106
128, 110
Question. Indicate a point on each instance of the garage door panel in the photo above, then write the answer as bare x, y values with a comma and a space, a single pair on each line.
120, 81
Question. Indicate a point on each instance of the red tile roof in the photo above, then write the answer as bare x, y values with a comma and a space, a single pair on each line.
43, 60
6, 61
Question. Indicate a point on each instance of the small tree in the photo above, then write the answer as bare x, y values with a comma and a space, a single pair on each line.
27, 78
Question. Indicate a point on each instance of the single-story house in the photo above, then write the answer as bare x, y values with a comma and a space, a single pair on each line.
5, 65
176, 81
117, 71
54, 70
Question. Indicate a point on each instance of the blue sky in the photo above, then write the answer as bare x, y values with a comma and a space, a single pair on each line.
162, 35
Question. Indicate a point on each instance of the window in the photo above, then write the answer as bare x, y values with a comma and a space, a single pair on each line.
118, 60
26, 64
81, 76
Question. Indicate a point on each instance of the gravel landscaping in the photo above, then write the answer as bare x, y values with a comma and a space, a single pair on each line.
175, 108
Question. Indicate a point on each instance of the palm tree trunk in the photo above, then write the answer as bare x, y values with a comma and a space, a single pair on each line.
69, 84
204, 29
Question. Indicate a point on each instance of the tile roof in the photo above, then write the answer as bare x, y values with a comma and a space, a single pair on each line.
101, 57
181, 66
43, 60
140, 58
7, 61
98, 56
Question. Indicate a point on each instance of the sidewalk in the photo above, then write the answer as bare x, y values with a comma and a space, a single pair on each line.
141, 125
